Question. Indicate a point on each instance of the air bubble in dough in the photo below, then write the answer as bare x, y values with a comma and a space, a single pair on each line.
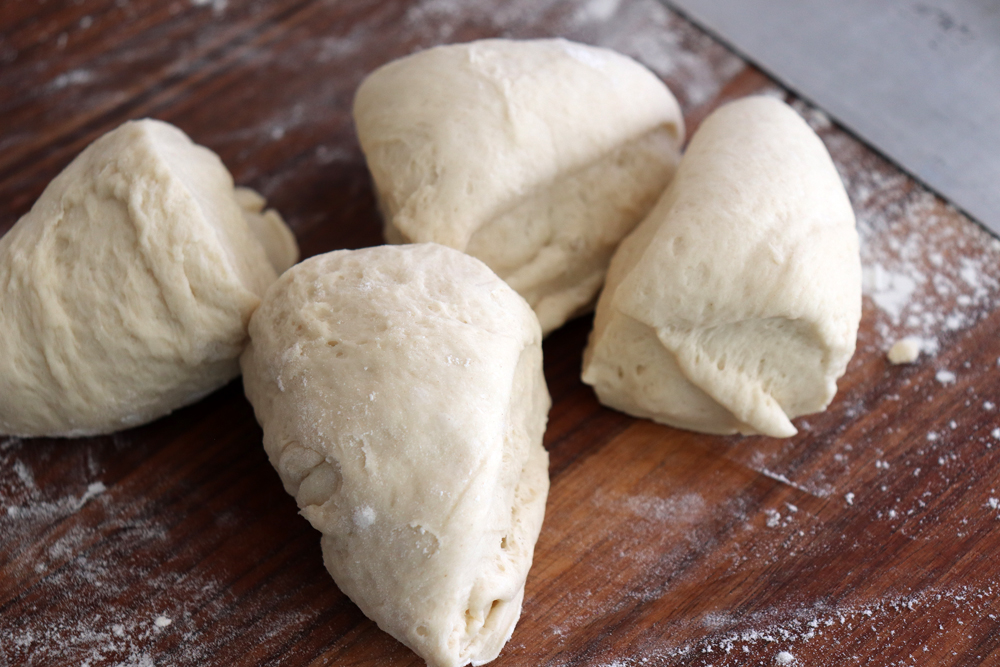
126, 290
401, 394
536, 156
734, 306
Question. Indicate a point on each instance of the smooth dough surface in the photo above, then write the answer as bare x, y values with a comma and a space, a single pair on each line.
734, 306
536, 157
126, 290
401, 394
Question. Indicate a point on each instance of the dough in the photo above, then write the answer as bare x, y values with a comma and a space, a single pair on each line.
401, 394
904, 351
537, 157
734, 306
269, 229
126, 290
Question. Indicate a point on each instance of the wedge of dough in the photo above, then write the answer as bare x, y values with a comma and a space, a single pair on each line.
734, 306
401, 394
126, 290
536, 157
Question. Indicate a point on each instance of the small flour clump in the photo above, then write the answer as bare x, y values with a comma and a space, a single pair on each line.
945, 377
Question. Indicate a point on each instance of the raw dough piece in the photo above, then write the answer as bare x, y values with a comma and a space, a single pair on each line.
126, 290
268, 228
904, 351
734, 306
537, 157
401, 394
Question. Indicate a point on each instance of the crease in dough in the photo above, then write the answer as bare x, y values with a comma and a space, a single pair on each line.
536, 157
401, 394
734, 306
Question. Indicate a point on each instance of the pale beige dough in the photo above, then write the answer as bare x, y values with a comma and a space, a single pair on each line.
904, 351
126, 290
401, 394
537, 157
734, 306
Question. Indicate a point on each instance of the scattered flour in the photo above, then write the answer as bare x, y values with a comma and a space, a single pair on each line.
945, 377
694, 65
363, 517
330, 154
778, 477
926, 275
218, 6
685, 508
890, 290
126, 603
47, 509
816, 118
823, 635
595, 11
75, 77
94, 489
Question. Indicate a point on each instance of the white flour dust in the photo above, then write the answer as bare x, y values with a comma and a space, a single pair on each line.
822, 635
928, 275
218, 6
93, 539
695, 66
596, 11
76, 77
36, 506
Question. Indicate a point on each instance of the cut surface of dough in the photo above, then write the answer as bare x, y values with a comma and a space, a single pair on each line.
126, 290
536, 157
401, 394
734, 306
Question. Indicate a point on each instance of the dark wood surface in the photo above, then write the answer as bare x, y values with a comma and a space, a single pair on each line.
871, 538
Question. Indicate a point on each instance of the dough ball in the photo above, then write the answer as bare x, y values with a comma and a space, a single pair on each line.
734, 306
126, 290
536, 157
401, 394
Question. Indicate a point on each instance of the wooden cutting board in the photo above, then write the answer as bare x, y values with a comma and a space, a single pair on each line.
871, 538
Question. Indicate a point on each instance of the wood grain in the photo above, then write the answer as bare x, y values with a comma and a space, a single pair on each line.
870, 538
